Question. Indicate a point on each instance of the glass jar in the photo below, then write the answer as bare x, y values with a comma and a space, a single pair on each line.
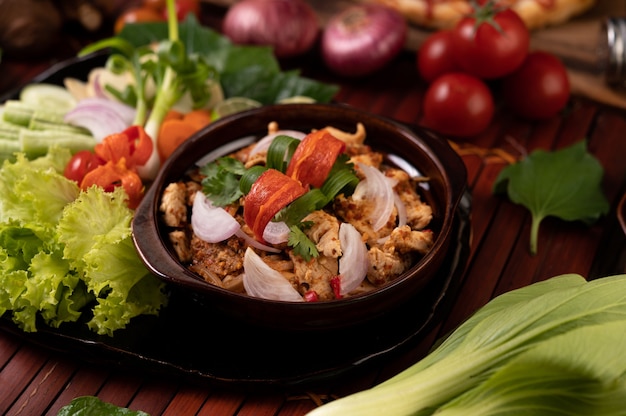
615, 69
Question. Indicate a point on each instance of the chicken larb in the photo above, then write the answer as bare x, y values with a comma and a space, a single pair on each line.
392, 249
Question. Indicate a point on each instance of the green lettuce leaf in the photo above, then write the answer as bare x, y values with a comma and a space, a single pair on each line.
565, 184
63, 250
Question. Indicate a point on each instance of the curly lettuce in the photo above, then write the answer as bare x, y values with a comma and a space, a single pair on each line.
67, 255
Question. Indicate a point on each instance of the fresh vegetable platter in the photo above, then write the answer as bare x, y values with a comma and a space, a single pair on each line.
146, 341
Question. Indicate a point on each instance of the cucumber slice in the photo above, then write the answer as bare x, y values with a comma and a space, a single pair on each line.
48, 96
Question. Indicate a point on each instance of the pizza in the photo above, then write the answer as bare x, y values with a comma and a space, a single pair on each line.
443, 14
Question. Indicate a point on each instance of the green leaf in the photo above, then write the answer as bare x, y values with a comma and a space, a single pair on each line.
580, 372
495, 336
301, 244
221, 182
93, 406
565, 183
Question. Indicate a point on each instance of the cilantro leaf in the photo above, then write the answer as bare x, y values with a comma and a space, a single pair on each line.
563, 183
221, 182
301, 244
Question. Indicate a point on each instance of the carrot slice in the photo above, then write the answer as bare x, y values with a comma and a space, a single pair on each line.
172, 133
198, 118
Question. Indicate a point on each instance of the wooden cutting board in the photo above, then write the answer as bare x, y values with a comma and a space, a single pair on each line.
577, 42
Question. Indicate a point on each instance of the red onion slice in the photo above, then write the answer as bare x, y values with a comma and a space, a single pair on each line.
276, 232
261, 281
101, 116
353, 263
252, 242
210, 223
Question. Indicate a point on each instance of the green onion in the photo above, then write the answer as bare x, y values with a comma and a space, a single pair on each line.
249, 177
280, 151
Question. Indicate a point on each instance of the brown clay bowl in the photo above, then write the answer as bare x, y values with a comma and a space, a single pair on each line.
430, 154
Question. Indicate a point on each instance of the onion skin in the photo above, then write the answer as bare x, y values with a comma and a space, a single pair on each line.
291, 27
362, 39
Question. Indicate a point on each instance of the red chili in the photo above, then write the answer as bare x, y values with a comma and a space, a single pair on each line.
271, 192
133, 144
314, 158
311, 296
335, 284
113, 174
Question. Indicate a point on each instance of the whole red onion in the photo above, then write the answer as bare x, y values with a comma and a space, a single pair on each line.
362, 39
289, 26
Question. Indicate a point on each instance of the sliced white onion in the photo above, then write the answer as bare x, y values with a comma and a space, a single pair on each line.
101, 116
210, 223
261, 281
252, 242
401, 208
276, 232
378, 189
402, 216
263, 144
353, 263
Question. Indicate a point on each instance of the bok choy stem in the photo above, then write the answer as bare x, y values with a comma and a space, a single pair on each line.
496, 334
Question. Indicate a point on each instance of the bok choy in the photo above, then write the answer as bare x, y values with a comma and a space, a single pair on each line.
554, 347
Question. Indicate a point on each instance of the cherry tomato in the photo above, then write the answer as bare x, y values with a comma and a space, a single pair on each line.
490, 43
137, 15
539, 89
183, 8
157, 5
458, 104
435, 56
80, 164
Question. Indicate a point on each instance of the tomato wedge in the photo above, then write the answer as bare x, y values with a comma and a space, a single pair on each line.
314, 158
113, 174
133, 144
271, 192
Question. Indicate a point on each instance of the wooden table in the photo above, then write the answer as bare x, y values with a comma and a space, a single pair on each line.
35, 380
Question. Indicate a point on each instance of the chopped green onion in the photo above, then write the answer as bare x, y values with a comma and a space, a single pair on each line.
280, 152
248, 178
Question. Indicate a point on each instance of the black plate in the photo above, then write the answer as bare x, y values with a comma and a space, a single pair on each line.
191, 338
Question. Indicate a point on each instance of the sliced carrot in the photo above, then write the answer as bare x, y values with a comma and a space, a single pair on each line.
172, 133
173, 114
198, 118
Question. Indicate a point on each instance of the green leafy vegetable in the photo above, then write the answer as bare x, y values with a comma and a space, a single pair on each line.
93, 406
243, 71
570, 329
565, 183
221, 181
577, 373
301, 244
64, 252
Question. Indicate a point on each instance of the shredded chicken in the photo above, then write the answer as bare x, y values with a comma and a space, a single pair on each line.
324, 233
174, 204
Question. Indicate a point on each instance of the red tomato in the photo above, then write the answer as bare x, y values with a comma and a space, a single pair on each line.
458, 104
435, 56
157, 5
539, 89
183, 8
137, 15
80, 164
491, 43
